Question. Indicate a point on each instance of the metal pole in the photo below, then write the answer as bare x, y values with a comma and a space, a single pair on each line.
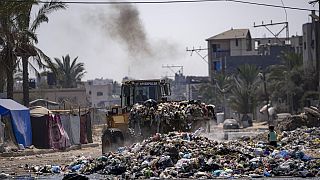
266, 94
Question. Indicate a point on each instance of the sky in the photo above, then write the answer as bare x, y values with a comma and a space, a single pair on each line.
114, 41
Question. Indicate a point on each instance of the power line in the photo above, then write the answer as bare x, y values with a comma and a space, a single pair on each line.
169, 2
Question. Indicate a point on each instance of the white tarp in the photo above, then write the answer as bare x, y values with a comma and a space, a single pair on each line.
75, 128
66, 123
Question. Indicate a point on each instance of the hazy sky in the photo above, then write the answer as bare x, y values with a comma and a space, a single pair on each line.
137, 40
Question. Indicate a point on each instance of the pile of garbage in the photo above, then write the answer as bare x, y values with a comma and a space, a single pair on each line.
169, 116
188, 155
309, 118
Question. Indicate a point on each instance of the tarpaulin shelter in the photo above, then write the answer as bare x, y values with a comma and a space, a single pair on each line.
47, 129
40, 127
20, 119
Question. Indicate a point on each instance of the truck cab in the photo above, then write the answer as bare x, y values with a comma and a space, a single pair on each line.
138, 91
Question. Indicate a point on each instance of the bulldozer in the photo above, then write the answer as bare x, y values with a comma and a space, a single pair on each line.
132, 92
137, 97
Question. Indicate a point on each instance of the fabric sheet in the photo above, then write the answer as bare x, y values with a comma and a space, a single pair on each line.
75, 128
58, 137
66, 123
40, 132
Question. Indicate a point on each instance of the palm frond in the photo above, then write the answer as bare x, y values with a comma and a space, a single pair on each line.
45, 10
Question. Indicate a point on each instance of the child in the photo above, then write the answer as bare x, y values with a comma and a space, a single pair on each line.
272, 136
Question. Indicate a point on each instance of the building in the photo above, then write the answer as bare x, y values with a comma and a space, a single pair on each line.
67, 97
232, 48
103, 92
309, 47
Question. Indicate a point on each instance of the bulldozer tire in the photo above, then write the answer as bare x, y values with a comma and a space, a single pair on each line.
111, 139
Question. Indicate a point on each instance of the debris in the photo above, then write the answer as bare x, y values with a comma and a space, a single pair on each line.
310, 118
187, 155
150, 118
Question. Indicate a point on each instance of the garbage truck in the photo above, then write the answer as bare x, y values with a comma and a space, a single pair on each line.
145, 110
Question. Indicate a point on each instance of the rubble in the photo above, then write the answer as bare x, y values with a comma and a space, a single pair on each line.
310, 118
186, 155
169, 116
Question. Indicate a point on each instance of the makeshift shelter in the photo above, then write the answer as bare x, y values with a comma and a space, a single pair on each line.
20, 120
47, 129
40, 127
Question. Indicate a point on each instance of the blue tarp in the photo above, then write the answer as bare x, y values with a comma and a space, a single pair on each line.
20, 118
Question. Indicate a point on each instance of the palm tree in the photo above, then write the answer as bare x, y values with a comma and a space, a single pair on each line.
29, 38
68, 73
17, 34
246, 82
286, 80
9, 10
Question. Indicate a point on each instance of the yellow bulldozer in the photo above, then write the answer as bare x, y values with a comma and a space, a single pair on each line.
142, 97
132, 92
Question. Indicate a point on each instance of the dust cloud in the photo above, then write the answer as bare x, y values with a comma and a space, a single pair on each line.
122, 24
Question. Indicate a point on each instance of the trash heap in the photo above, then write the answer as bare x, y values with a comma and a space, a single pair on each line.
169, 116
309, 118
187, 155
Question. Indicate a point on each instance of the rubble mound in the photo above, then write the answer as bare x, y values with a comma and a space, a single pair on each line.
310, 118
187, 155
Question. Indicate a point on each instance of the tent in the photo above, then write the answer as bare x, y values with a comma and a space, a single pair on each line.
47, 129
40, 127
20, 119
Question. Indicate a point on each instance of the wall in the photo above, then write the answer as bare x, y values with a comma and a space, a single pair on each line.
74, 96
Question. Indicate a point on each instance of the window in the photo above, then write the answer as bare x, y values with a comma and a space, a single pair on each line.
312, 44
89, 92
99, 93
237, 43
305, 45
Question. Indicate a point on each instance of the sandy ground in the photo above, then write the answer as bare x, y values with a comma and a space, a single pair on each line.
20, 165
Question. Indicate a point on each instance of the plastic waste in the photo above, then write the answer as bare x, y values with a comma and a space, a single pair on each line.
55, 169
76, 167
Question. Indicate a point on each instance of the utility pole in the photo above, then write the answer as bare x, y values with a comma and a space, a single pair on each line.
198, 50
287, 41
276, 35
171, 67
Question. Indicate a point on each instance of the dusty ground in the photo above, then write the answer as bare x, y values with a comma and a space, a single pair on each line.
17, 165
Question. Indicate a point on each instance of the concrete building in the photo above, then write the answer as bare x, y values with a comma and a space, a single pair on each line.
103, 92
309, 47
232, 48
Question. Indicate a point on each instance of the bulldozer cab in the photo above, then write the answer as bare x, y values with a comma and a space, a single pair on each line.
138, 91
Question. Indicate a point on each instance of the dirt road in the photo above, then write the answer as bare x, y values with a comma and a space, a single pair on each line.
18, 165
21, 165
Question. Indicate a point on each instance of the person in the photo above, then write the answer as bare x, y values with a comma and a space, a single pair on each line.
272, 136
141, 97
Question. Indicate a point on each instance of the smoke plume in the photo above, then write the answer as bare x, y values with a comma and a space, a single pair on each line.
124, 25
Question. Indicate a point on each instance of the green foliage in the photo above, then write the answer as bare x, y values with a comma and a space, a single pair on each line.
68, 73
243, 94
287, 81
17, 35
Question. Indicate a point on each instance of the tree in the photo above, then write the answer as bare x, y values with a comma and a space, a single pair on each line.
286, 81
28, 37
9, 11
68, 73
17, 34
246, 82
